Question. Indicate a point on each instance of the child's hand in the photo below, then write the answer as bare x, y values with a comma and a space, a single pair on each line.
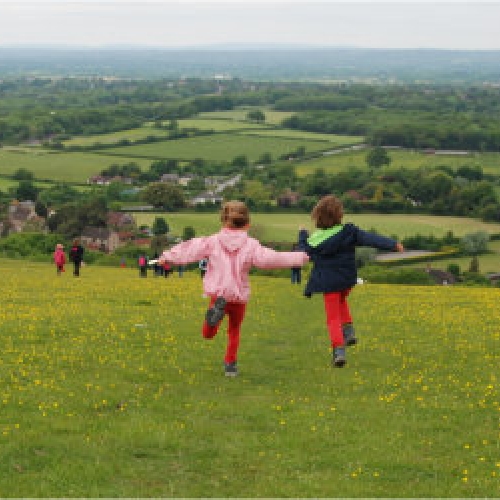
399, 247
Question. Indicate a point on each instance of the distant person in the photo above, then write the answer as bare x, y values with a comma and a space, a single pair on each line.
203, 265
157, 268
296, 274
231, 254
76, 256
167, 269
180, 270
59, 258
142, 262
332, 251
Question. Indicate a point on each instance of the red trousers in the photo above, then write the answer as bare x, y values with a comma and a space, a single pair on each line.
235, 312
337, 314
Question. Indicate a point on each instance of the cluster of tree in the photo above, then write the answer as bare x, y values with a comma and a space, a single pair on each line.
461, 192
71, 218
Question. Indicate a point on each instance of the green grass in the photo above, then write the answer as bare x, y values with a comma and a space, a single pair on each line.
335, 140
131, 134
490, 162
108, 390
69, 167
272, 117
219, 125
284, 227
219, 147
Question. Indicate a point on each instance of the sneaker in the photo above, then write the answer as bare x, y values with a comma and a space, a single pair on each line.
339, 357
231, 369
216, 312
349, 336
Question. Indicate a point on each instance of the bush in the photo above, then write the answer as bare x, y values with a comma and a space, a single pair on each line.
404, 276
29, 244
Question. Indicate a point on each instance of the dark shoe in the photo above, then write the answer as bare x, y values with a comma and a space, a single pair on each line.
349, 336
216, 312
339, 357
230, 369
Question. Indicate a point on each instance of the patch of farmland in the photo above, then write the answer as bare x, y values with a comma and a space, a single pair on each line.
218, 147
66, 167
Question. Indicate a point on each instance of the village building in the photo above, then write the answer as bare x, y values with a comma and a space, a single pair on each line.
120, 220
204, 198
20, 213
100, 238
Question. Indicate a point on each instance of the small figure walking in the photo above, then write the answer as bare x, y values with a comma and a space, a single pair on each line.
76, 256
59, 258
203, 266
296, 275
142, 262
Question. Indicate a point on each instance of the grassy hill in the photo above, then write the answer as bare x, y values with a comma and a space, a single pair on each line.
109, 390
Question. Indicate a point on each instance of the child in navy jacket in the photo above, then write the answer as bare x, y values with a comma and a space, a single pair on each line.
331, 249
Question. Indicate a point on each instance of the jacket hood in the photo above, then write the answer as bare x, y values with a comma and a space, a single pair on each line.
344, 237
232, 239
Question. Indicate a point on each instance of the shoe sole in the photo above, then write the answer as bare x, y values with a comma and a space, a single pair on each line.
216, 312
351, 341
339, 362
231, 374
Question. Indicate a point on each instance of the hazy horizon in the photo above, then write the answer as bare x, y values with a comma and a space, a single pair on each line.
237, 24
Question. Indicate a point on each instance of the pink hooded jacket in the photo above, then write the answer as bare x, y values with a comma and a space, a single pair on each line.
231, 254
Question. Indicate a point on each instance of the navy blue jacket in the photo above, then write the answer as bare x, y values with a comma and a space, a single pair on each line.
334, 265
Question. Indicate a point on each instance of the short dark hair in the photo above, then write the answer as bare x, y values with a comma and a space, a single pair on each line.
328, 212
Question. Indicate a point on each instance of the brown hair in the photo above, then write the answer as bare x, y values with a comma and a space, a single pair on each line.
235, 214
328, 212
76, 242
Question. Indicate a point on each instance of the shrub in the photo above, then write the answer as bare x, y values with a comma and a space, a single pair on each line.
404, 276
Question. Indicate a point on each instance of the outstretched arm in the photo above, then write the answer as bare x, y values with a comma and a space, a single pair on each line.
187, 251
267, 258
366, 239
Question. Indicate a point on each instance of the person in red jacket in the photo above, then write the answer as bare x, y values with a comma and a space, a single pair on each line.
59, 258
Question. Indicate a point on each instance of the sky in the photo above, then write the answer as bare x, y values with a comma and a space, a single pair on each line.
166, 23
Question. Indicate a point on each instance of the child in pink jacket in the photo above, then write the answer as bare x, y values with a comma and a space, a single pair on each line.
231, 254
59, 258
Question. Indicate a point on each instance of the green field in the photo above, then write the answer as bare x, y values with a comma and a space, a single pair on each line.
219, 125
284, 227
68, 167
272, 117
335, 140
218, 147
109, 390
490, 162
111, 138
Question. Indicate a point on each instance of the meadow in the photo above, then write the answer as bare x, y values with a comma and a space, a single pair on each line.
284, 226
108, 390
67, 167
490, 162
132, 134
273, 117
219, 147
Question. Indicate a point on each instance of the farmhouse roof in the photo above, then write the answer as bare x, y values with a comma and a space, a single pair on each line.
96, 233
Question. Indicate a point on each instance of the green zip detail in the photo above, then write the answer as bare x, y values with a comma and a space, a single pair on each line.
323, 234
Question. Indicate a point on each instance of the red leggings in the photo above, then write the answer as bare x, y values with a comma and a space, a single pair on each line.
337, 314
235, 312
